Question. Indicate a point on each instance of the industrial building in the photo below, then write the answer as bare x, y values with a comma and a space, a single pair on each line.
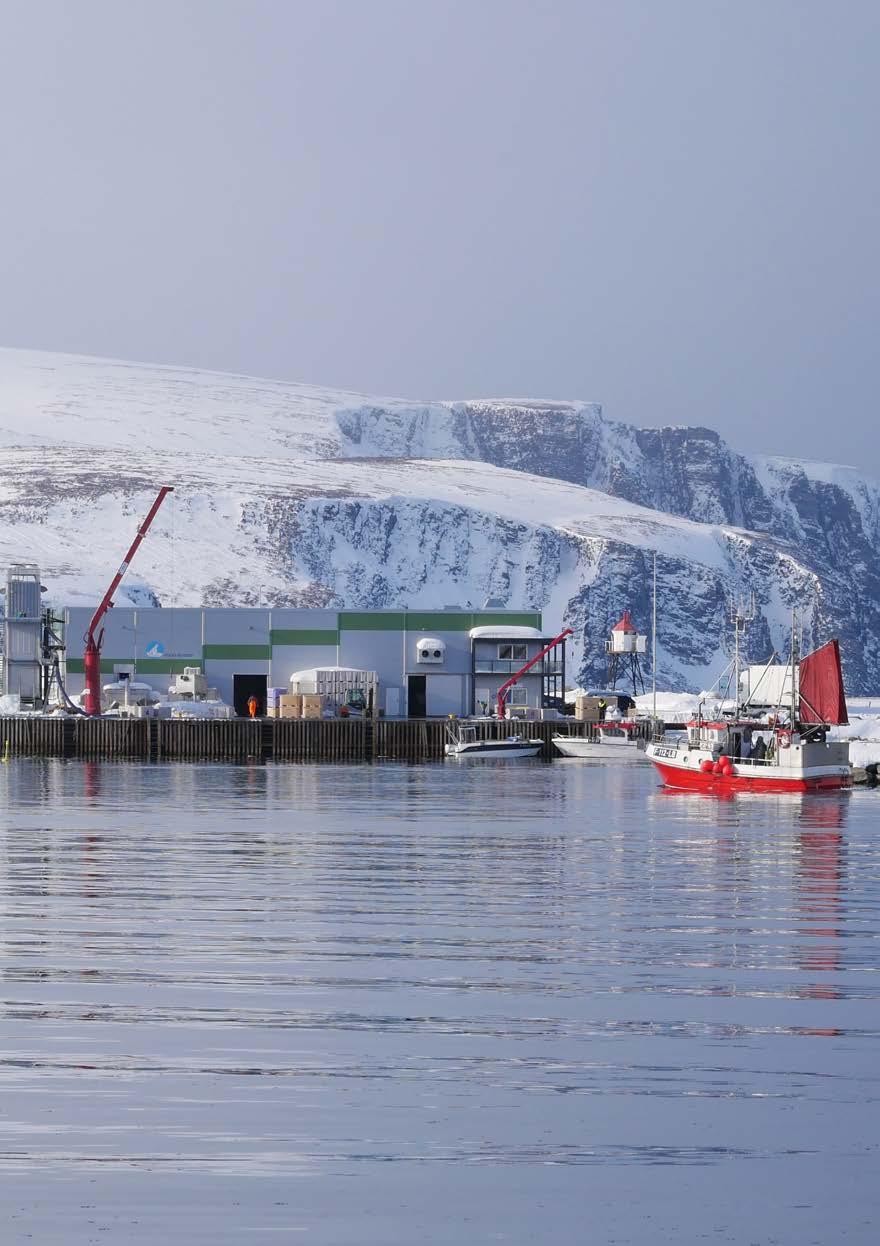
429, 663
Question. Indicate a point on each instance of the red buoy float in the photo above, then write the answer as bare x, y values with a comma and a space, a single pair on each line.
706, 766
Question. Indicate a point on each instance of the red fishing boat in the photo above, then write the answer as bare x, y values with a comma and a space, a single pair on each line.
755, 754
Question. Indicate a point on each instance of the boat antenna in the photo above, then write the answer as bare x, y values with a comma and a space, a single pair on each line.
742, 614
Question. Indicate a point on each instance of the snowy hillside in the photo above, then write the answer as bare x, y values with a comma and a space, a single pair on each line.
293, 494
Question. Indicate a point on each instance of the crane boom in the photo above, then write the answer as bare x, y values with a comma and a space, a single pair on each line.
92, 662
528, 666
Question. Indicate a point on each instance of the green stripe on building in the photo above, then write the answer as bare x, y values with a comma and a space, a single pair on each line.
526, 619
144, 666
228, 653
304, 636
434, 620
372, 621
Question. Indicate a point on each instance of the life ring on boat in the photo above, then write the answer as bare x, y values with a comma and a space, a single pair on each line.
784, 739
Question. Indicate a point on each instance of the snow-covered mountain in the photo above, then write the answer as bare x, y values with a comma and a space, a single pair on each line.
293, 494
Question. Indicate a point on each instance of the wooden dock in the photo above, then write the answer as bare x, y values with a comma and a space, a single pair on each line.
243, 740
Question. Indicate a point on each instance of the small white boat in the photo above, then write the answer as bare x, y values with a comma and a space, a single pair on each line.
463, 742
616, 741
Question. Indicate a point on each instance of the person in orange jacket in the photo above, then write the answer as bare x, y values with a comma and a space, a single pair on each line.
253, 705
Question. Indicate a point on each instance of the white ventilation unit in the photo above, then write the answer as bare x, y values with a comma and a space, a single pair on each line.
431, 651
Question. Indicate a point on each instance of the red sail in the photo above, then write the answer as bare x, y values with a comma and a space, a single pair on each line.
821, 687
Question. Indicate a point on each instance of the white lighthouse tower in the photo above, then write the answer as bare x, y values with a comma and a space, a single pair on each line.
623, 650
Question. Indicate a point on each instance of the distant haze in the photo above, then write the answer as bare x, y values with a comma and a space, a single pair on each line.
668, 207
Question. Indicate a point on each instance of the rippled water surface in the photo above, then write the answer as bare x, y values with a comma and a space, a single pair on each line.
505, 1002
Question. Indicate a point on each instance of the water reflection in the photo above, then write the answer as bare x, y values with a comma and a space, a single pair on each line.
820, 883
264, 971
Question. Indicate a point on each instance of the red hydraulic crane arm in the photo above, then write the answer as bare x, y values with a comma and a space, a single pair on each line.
92, 655
107, 599
528, 666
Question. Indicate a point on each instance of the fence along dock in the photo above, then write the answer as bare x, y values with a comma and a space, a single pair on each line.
243, 740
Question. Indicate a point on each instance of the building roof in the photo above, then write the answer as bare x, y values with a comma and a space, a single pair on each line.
312, 672
500, 632
625, 624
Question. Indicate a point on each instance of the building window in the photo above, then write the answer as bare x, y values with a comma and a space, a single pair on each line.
513, 653
517, 696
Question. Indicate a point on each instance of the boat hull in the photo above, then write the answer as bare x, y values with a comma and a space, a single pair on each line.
695, 781
491, 750
594, 750
684, 770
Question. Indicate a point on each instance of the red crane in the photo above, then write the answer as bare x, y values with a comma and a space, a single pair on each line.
92, 664
522, 670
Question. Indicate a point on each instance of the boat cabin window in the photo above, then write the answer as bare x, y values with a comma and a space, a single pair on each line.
612, 731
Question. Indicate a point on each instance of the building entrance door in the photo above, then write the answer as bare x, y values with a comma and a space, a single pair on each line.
245, 686
416, 697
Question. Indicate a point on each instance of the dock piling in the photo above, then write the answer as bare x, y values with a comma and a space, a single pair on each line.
241, 740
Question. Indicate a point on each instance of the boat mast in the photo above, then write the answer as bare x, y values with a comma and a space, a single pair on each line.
795, 656
742, 616
654, 648
736, 620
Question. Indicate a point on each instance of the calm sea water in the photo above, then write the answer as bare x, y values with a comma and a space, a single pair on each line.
455, 1003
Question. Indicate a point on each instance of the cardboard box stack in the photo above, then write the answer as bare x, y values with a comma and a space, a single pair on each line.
339, 686
273, 702
312, 705
586, 709
290, 705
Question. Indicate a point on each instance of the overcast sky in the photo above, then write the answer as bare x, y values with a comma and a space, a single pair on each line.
666, 206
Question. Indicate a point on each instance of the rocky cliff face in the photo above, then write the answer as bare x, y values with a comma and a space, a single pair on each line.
293, 495
814, 529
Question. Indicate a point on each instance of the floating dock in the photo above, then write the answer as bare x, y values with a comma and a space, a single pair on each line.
263, 740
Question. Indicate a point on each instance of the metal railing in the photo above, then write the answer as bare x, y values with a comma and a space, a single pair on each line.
500, 666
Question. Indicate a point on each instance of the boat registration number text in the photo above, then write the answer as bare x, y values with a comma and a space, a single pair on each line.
664, 752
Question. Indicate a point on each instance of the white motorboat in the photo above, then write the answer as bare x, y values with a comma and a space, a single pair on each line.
464, 742
615, 741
